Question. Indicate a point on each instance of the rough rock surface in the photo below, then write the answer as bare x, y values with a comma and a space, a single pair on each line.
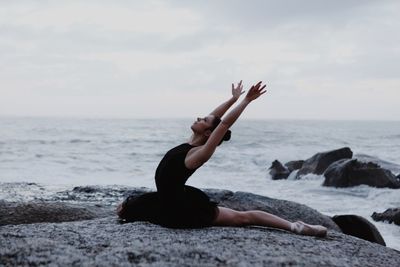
42, 211
360, 227
278, 171
389, 215
318, 163
351, 172
104, 242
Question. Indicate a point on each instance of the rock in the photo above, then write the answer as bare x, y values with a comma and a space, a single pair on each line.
351, 172
394, 167
294, 165
278, 171
318, 163
360, 227
104, 242
389, 215
41, 211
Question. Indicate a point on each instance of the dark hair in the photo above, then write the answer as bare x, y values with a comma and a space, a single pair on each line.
215, 123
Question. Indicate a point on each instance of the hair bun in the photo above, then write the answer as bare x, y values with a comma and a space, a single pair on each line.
227, 135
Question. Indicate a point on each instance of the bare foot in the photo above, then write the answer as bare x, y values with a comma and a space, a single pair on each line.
303, 228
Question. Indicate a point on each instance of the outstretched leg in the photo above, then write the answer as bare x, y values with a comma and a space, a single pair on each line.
230, 217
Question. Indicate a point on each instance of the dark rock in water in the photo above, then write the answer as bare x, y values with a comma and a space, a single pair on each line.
389, 215
318, 163
278, 171
294, 165
394, 167
360, 227
40, 211
351, 172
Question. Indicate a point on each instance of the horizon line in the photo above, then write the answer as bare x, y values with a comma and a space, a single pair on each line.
184, 118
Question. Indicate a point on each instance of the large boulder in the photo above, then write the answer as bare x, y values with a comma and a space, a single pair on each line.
278, 171
394, 167
104, 242
318, 163
389, 215
351, 172
360, 227
294, 165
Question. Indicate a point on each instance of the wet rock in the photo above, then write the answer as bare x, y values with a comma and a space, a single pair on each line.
318, 163
389, 215
294, 165
351, 172
360, 227
394, 167
41, 211
278, 171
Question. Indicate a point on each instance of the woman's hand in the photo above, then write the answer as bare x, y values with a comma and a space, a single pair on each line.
237, 91
255, 91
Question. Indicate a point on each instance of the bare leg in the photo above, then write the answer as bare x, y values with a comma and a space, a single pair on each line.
229, 217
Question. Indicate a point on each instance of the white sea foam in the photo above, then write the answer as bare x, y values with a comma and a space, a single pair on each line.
62, 153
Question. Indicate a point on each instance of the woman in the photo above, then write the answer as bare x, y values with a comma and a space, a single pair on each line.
176, 205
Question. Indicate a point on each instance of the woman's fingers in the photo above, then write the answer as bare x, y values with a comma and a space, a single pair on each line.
262, 90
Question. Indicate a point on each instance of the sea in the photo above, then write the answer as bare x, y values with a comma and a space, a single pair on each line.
62, 153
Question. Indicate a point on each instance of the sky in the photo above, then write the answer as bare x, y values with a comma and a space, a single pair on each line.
329, 60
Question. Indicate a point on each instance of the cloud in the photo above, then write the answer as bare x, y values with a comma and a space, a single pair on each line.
308, 51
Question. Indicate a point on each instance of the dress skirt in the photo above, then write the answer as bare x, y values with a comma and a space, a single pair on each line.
192, 209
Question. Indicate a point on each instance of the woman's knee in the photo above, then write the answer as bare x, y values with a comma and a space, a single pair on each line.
229, 217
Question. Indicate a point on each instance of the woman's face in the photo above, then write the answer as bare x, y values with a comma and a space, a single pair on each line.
201, 125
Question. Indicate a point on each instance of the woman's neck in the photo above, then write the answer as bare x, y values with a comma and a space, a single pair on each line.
197, 140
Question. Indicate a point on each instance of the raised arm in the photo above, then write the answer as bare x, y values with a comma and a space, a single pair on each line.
236, 92
204, 152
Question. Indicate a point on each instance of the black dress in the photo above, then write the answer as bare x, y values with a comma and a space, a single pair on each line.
175, 204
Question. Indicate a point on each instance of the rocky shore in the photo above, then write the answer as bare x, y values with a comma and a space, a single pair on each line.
73, 228
339, 169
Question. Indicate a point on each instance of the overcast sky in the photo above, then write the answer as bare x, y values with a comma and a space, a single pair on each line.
140, 59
